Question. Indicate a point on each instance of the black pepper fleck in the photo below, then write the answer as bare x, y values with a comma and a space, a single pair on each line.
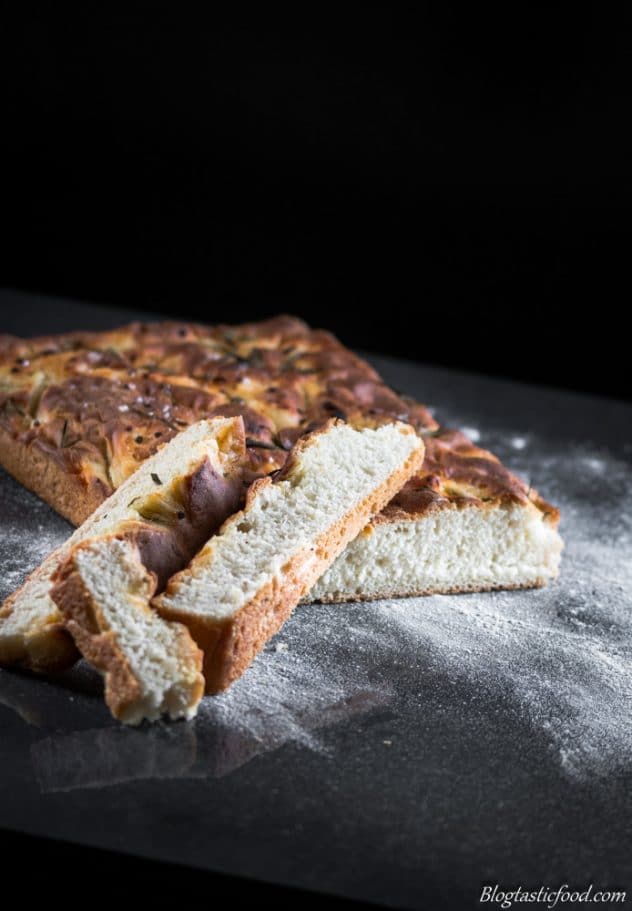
333, 409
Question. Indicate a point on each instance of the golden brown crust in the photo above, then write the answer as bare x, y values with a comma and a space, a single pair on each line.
46, 648
231, 645
99, 648
44, 651
456, 474
99, 645
88, 407
385, 595
70, 495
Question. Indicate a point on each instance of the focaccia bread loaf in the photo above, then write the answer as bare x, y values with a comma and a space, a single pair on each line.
78, 412
151, 667
168, 507
245, 582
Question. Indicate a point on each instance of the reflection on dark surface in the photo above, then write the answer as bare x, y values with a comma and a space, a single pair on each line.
16, 694
47, 701
113, 754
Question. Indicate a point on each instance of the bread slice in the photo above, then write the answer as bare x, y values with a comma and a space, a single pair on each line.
169, 506
151, 667
245, 582
464, 523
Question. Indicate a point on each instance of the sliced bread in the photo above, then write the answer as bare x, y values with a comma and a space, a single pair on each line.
151, 667
464, 523
169, 507
241, 587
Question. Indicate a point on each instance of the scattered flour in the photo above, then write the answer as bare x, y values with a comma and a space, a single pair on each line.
29, 531
284, 698
472, 433
595, 464
563, 654
288, 695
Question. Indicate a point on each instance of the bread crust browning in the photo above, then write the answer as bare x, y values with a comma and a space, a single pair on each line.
282, 376
48, 651
71, 495
205, 497
80, 411
43, 649
99, 647
456, 474
99, 644
231, 645
474, 588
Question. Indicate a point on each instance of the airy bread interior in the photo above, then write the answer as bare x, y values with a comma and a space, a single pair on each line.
471, 548
336, 472
244, 583
152, 667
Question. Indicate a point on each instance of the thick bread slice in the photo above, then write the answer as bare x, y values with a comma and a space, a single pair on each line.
151, 667
169, 506
464, 523
454, 550
242, 586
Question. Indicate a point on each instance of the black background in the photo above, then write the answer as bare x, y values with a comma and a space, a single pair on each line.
451, 185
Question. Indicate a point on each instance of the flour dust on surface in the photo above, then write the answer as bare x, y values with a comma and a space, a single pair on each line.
561, 655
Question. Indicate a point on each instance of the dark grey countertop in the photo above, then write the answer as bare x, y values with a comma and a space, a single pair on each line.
404, 753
